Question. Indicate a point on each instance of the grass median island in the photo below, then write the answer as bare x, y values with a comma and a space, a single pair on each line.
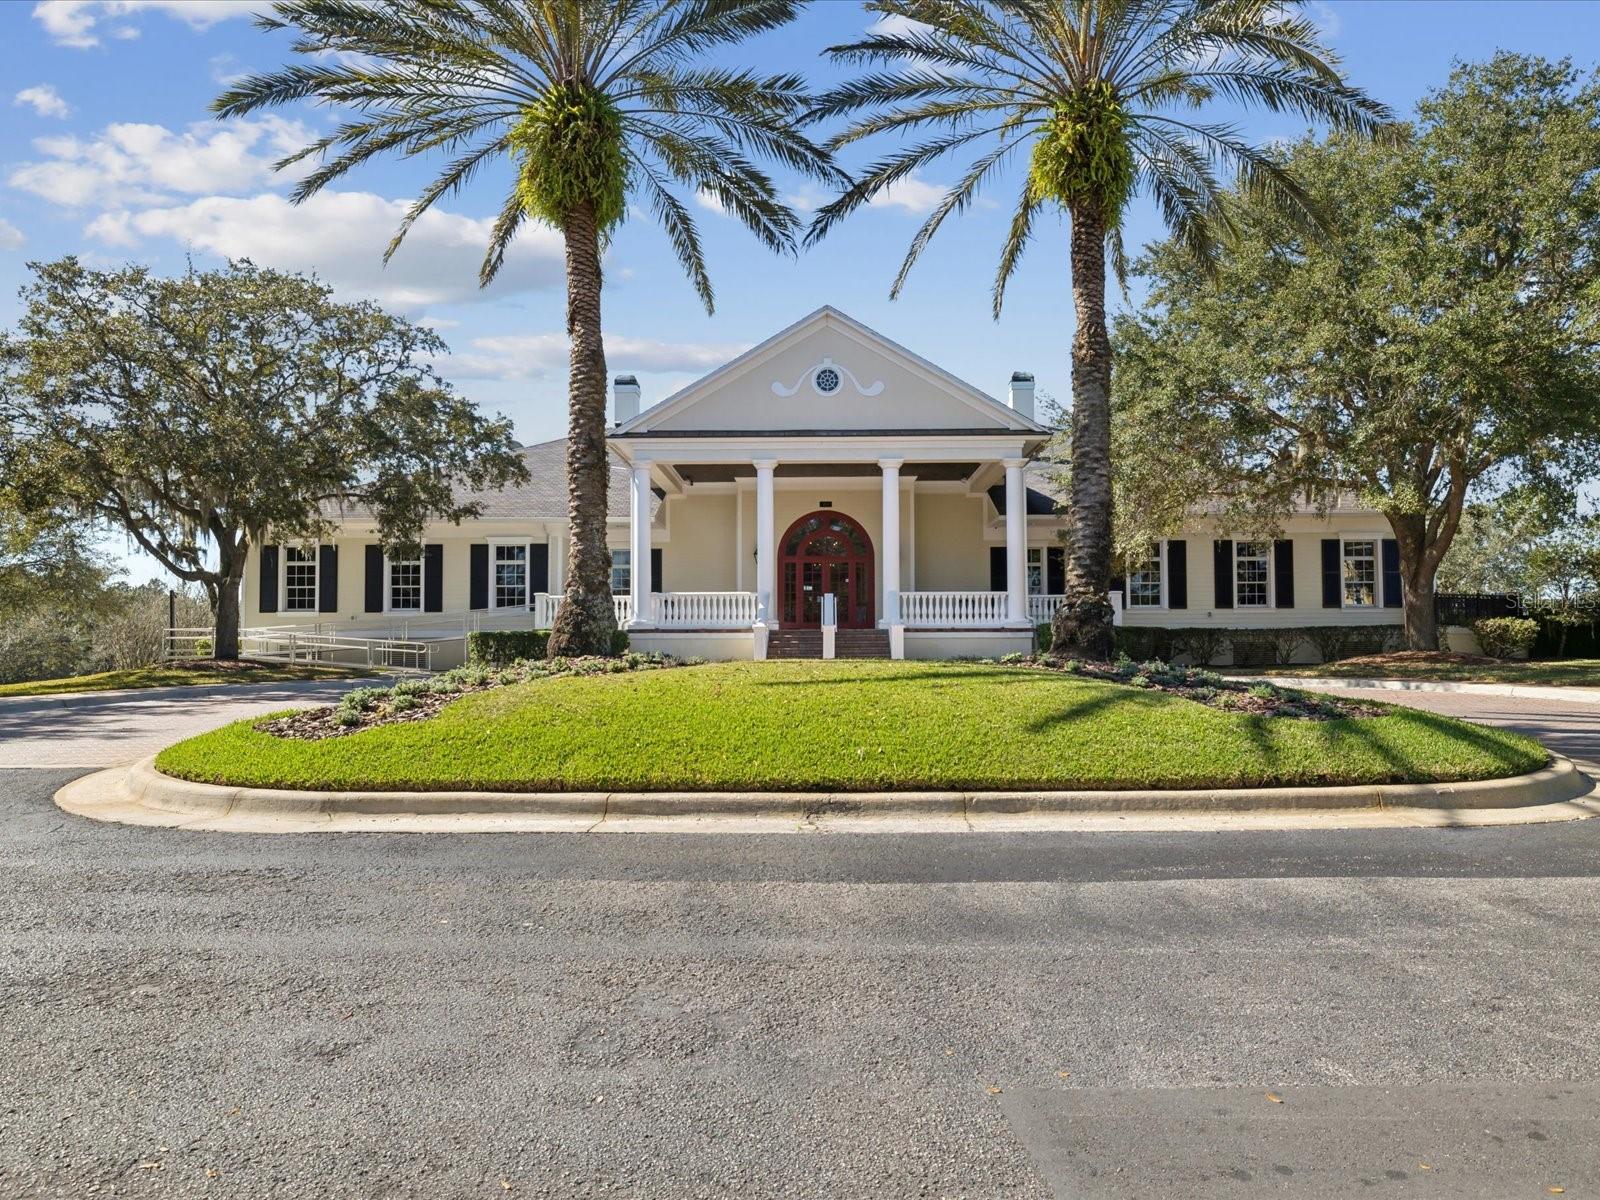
848, 726
180, 674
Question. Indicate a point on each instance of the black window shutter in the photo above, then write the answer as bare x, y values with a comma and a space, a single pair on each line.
655, 571
433, 578
1283, 572
269, 579
1332, 591
1222, 572
1392, 595
1055, 570
538, 568
374, 555
1119, 583
478, 590
327, 579
1177, 573
997, 569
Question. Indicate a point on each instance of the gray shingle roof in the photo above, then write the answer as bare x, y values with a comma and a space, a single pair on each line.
542, 498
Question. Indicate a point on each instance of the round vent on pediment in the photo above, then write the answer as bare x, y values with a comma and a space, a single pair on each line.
826, 381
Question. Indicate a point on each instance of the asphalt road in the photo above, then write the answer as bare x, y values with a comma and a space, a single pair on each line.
1297, 1014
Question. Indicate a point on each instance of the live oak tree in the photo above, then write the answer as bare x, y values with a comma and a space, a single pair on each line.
1441, 342
197, 413
593, 104
1103, 100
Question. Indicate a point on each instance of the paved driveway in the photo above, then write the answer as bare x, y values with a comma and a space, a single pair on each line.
104, 729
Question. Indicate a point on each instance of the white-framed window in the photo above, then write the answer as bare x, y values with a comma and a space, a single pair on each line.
300, 578
510, 575
1360, 573
1036, 570
405, 584
1145, 579
1252, 574
621, 572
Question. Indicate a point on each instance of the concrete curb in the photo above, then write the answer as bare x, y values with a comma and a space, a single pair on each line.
141, 795
1518, 691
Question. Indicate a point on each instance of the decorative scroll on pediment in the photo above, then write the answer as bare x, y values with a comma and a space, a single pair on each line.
827, 378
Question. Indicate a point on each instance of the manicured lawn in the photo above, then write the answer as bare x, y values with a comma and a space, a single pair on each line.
848, 726
1456, 668
176, 675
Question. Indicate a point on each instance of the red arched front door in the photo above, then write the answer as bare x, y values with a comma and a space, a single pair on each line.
824, 552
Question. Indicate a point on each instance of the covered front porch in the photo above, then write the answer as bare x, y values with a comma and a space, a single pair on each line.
937, 542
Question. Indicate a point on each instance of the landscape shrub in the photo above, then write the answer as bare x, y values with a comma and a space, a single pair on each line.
1286, 645
1506, 637
1144, 642
502, 647
1202, 645
1042, 637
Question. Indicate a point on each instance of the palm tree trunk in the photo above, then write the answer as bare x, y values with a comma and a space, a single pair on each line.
585, 622
1081, 627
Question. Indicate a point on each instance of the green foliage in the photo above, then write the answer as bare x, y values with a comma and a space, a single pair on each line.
1083, 157
1506, 637
1144, 642
594, 102
1041, 638
1104, 94
1427, 347
572, 148
1333, 642
619, 642
202, 413
501, 647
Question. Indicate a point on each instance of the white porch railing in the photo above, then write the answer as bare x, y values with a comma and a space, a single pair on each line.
546, 604
1042, 608
953, 610
704, 610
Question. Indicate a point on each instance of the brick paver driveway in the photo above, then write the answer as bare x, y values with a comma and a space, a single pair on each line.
104, 729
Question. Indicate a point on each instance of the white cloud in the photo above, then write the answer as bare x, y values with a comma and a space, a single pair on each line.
527, 356
44, 100
77, 23
131, 163
710, 203
910, 193
10, 236
341, 236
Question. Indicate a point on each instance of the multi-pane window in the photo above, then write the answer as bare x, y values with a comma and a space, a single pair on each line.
405, 584
511, 576
621, 572
1036, 571
1144, 580
300, 578
1360, 574
1251, 571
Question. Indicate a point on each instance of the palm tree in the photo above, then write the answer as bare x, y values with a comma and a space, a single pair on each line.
595, 102
1101, 95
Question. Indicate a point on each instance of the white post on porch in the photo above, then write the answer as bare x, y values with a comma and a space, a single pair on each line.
1016, 542
639, 544
891, 541
766, 554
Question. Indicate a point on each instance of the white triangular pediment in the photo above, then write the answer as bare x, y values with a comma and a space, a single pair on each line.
827, 373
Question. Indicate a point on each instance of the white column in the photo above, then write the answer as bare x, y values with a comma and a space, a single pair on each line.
766, 553
639, 543
891, 541
1016, 542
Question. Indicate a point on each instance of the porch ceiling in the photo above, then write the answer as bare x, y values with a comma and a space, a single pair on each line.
730, 472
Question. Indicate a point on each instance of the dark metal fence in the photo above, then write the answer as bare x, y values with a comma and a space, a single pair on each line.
1463, 608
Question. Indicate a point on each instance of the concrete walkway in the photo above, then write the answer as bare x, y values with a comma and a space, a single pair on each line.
103, 729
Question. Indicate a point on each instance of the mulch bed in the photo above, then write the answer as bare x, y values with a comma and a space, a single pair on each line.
1215, 691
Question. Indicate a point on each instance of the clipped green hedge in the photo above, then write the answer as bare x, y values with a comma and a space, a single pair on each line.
1204, 644
501, 647
1506, 637
505, 646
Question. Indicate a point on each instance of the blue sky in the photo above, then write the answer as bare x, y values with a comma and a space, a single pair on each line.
107, 151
